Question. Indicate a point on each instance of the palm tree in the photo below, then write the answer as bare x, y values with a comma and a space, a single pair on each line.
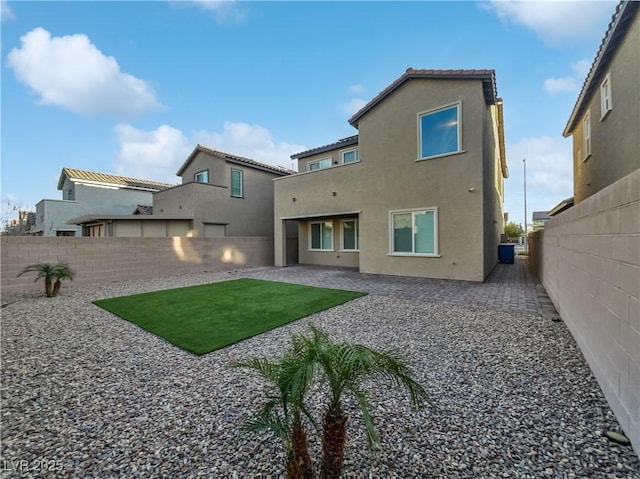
290, 379
50, 272
345, 367
61, 271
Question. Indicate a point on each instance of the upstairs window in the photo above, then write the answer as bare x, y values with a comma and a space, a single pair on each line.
319, 164
321, 237
349, 156
202, 176
236, 183
439, 131
586, 136
605, 97
414, 232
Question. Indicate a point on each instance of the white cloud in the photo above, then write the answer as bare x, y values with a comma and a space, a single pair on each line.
70, 72
355, 105
5, 11
549, 175
356, 89
582, 67
562, 84
250, 141
157, 154
557, 21
152, 155
222, 10
571, 83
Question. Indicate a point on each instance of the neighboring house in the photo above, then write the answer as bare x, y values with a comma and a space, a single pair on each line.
418, 192
21, 226
609, 103
85, 192
221, 195
538, 219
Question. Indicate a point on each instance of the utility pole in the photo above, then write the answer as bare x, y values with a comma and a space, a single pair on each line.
524, 161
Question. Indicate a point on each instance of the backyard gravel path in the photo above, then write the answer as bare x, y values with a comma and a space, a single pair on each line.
98, 397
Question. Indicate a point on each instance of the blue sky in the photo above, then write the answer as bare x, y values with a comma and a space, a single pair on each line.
131, 87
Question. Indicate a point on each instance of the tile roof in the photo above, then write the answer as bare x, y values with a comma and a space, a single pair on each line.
487, 76
348, 141
85, 176
234, 159
616, 31
143, 210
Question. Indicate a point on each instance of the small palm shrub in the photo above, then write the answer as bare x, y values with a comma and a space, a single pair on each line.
345, 369
50, 273
289, 381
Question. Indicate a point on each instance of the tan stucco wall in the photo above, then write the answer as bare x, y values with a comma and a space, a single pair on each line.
337, 257
388, 177
591, 271
251, 215
102, 259
493, 194
615, 143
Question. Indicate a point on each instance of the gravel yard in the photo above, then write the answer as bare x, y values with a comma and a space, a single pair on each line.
98, 397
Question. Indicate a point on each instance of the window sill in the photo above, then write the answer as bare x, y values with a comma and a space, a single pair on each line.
236, 196
586, 157
348, 251
453, 153
413, 255
321, 250
606, 114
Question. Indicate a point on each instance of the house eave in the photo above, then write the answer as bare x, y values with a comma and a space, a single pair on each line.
616, 32
486, 76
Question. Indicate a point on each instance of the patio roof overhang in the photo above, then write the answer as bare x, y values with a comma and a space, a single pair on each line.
317, 216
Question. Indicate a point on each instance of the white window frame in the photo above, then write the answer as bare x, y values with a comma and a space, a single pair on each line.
321, 223
344, 152
328, 158
606, 103
436, 247
357, 225
241, 195
205, 175
586, 136
458, 105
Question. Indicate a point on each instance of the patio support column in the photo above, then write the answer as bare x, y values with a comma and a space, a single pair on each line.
280, 243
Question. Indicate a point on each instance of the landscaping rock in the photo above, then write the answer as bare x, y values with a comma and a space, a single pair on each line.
96, 396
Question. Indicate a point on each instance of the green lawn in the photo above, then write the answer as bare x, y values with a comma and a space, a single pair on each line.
207, 317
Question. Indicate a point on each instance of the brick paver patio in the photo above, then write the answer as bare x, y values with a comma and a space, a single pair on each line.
508, 287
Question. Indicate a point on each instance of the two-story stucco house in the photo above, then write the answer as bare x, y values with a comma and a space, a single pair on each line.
85, 192
220, 195
417, 192
608, 104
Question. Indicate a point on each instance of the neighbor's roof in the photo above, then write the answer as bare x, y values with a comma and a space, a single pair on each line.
91, 177
616, 31
280, 170
143, 210
562, 206
488, 78
348, 141
540, 215
96, 218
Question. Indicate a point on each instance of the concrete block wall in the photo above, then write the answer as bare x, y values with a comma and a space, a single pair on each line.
590, 268
116, 259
